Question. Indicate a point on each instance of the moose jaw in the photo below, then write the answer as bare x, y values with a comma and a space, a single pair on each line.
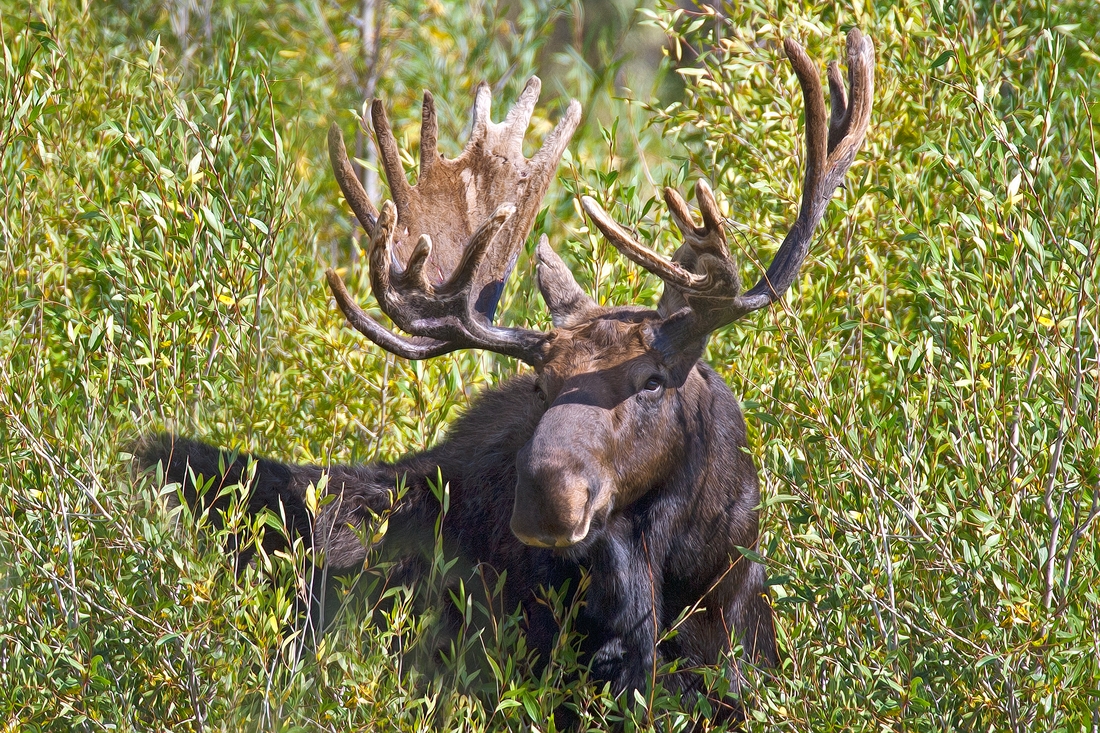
622, 454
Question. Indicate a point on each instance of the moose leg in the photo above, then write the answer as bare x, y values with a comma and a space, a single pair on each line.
737, 611
752, 618
624, 599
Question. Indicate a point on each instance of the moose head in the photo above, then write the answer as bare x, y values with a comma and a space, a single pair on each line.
612, 383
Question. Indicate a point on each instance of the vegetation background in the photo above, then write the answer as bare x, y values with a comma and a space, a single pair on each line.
923, 407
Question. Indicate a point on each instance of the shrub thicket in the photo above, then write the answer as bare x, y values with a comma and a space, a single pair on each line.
923, 406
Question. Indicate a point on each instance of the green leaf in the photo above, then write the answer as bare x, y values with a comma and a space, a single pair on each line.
942, 59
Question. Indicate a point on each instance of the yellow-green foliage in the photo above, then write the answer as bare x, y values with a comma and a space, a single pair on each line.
922, 406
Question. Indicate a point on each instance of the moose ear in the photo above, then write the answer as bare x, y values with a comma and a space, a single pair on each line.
564, 298
679, 343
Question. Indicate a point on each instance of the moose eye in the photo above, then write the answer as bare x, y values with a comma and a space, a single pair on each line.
540, 392
654, 384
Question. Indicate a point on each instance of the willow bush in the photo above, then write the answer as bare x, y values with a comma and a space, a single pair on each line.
922, 406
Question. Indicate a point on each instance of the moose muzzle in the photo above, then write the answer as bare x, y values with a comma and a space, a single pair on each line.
561, 482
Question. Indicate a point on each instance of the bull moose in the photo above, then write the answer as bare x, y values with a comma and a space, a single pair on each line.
621, 453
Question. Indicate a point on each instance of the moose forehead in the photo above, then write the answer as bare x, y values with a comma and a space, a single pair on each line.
607, 347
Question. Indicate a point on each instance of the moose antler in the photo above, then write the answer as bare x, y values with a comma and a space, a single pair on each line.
458, 231
702, 286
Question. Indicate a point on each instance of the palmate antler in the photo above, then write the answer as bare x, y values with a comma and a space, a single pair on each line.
458, 231
702, 286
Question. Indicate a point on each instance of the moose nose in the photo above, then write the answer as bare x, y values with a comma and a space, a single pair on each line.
553, 499
550, 509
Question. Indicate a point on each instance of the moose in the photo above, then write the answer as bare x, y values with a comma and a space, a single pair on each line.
620, 454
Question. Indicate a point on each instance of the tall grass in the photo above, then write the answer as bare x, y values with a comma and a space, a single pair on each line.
922, 407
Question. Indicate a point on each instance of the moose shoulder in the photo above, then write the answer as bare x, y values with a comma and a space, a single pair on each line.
622, 453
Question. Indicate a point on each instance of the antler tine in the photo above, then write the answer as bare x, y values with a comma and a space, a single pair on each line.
861, 79
547, 158
380, 255
637, 252
353, 190
483, 101
519, 117
838, 105
678, 209
429, 134
478, 247
391, 158
413, 275
826, 160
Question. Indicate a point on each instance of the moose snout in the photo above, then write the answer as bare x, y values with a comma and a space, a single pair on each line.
556, 493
